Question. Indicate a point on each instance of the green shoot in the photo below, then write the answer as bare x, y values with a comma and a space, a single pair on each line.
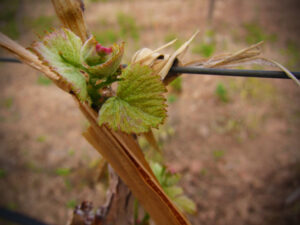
218, 154
7, 102
63, 172
128, 26
43, 80
171, 98
204, 49
221, 93
41, 139
177, 84
2, 173
71, 204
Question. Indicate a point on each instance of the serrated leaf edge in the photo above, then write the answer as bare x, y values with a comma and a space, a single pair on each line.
45, 62
164, 105
110, 61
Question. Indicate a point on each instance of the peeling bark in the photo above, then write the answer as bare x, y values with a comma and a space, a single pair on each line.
118, 208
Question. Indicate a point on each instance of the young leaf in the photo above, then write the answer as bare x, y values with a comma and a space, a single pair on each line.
101, 64
172, 179
158, 171
168, 182
185, 204
173, 191
88, 53
139, 104
61, 51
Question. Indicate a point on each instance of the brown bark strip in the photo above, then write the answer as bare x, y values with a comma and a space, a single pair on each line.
118, 208
119, 149
32, 60
144, 187
151, 140
70, 13
125, 156
26, 56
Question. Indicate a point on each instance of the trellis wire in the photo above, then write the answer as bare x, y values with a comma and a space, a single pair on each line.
212, 71
233, 72
18, 218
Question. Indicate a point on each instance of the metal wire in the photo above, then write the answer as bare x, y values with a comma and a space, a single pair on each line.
11, 60
18, 218
212, 71
232, 72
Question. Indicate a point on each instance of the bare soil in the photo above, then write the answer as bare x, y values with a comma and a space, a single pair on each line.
240, 159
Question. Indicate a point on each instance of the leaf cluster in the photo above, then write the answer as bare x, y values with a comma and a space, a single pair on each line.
90, 69
169, 181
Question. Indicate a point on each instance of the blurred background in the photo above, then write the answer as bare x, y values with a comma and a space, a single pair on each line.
234, 140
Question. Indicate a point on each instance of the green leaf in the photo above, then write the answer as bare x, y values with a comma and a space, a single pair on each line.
43, 80
139, 104
158, 171
89, 55
185, 204
101, 66
71, 204
173, 191
63, 171
156, 168
60, 50
172, 179
2, 173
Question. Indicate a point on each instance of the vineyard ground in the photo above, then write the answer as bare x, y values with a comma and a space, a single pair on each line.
235, 140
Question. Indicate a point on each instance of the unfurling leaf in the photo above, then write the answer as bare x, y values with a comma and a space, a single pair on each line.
139, 104
60, 50
89, 55
168, 181
158, 171
99, 61
173, 191
185, 204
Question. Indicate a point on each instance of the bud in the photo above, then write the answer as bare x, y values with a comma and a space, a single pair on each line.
101, 61
103, 50
94, 53
171, 170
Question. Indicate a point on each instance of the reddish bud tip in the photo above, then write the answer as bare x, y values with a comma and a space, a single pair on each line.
98, 47
101, 49
171, 170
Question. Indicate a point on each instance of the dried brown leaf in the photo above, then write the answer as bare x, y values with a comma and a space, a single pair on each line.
70, 13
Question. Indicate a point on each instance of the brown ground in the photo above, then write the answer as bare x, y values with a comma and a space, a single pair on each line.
240, 160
